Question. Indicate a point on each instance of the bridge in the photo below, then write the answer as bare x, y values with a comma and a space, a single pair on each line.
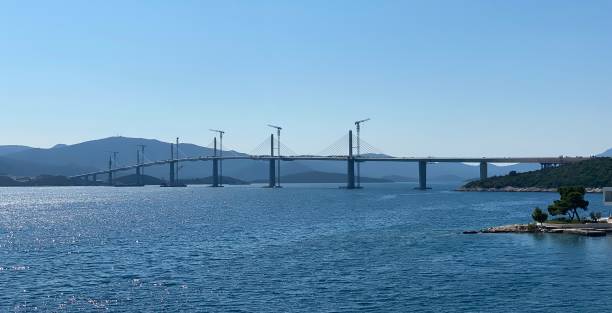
274, 160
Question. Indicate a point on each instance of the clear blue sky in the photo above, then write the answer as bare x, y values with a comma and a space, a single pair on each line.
440, 78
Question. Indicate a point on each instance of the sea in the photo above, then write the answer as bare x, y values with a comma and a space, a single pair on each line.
300, 248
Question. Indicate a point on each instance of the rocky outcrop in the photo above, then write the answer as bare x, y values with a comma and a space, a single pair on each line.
593, 230
517, 189
515, 228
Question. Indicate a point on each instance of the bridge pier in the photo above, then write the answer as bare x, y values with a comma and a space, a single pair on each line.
350, 183
350, 172
272, 176
171, 179
215, 173
422, 175
215, 166
138, 169
110, 172
272, 165
138, 176
483, 170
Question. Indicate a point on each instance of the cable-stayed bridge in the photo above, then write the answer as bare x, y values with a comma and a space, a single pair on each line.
274, 152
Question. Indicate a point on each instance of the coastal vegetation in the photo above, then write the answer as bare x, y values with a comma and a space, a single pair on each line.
592, 173
538, 215
572, 199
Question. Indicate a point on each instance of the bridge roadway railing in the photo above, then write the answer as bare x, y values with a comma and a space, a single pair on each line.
421, 160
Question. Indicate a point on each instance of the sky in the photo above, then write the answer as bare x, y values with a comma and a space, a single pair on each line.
437, 78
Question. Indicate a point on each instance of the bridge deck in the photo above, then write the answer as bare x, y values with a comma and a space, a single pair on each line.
552, 160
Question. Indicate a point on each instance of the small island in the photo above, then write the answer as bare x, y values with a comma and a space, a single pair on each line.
567, 219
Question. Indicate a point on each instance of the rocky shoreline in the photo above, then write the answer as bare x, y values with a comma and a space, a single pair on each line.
590, 230
520, 189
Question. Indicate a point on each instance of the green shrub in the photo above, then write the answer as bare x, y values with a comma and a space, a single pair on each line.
538, 215
595, 216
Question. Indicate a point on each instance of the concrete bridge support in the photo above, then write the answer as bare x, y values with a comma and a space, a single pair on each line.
138, 176
272, 176
171, 179
215, 165
350, 173
483, 170
215, 173
422, 175
350, 184
94, 178
110, 173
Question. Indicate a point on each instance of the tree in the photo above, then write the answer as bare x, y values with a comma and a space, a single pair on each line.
572, 199
595, 216
538, 215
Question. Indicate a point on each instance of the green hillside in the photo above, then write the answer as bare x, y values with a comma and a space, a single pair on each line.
593, 173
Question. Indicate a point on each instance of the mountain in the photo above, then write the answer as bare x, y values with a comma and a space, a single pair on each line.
400, 179
8, 149
14, 167
593, 173
131, 179
42, 180
447, 178
607, 153
94, 155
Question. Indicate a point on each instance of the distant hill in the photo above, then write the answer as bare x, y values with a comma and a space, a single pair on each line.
131, 180
400, 179
8, 149
14, 167
447, 178
93, 155
323, 177
6, 181
592, 173
607, 153
42, 180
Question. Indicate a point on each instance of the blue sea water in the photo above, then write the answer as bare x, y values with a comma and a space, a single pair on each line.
302, 248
